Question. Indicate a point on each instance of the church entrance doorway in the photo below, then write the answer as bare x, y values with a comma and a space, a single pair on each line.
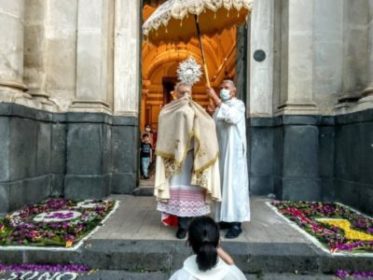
159, 65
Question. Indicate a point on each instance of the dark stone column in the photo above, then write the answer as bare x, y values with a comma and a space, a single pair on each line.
261, 155
326, 158
58, 155
296, 158
125, 155
278, 152
354, 160
88, 167
284, 157
300, 167
4, 163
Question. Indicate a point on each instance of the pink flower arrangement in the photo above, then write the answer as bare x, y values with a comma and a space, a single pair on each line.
344, 274
79, 268
20, 228
305, 215
58, 215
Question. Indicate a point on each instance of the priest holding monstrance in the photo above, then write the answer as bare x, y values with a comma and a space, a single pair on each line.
187, 167
180, 20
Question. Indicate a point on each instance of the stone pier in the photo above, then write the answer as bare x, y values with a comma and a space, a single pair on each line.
11, 48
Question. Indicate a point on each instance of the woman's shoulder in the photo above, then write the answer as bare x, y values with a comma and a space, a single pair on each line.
235, 273
181, 274
221, 271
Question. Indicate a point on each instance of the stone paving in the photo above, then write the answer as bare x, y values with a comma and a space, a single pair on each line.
123, 275
137, 219
117, 275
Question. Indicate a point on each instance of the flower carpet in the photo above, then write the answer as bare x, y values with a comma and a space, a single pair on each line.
338, 228
55, 222
344, 274
40, 272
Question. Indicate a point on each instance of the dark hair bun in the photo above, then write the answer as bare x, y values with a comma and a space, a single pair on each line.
207, 257
204, 238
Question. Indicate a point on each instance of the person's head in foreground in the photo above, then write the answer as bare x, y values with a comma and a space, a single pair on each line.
210, 260
182, 89
203, 237
227, 90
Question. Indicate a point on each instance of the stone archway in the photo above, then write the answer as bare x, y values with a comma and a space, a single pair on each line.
161, 61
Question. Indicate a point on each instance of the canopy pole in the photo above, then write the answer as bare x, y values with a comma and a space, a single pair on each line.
202, 51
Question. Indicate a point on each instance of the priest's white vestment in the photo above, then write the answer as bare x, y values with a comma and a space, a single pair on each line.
231, 131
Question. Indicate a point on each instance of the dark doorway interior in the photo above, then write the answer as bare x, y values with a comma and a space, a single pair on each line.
168, 87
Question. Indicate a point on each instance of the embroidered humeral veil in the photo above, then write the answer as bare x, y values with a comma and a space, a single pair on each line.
183, 123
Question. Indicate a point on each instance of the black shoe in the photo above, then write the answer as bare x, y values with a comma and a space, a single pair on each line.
224, 225
233, 232
181, 233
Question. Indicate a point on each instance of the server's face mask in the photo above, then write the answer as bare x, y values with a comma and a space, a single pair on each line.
225, 94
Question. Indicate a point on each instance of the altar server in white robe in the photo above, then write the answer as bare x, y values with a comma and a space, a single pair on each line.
229, 115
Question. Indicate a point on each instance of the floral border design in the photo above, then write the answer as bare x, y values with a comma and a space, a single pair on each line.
20, 229
306, 214
344, 274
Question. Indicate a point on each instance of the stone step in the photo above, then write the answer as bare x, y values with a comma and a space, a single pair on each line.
126, 275
121, 275
167, 256
143, 191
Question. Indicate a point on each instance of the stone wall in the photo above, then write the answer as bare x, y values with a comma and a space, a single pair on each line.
32, 162
76, 155
101, 155
317, 72
69, 92
353, 160
284, 157
314, 158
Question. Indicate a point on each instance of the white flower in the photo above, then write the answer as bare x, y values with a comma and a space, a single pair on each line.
57, 216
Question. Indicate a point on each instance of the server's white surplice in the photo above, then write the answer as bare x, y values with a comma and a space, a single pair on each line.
231, 132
